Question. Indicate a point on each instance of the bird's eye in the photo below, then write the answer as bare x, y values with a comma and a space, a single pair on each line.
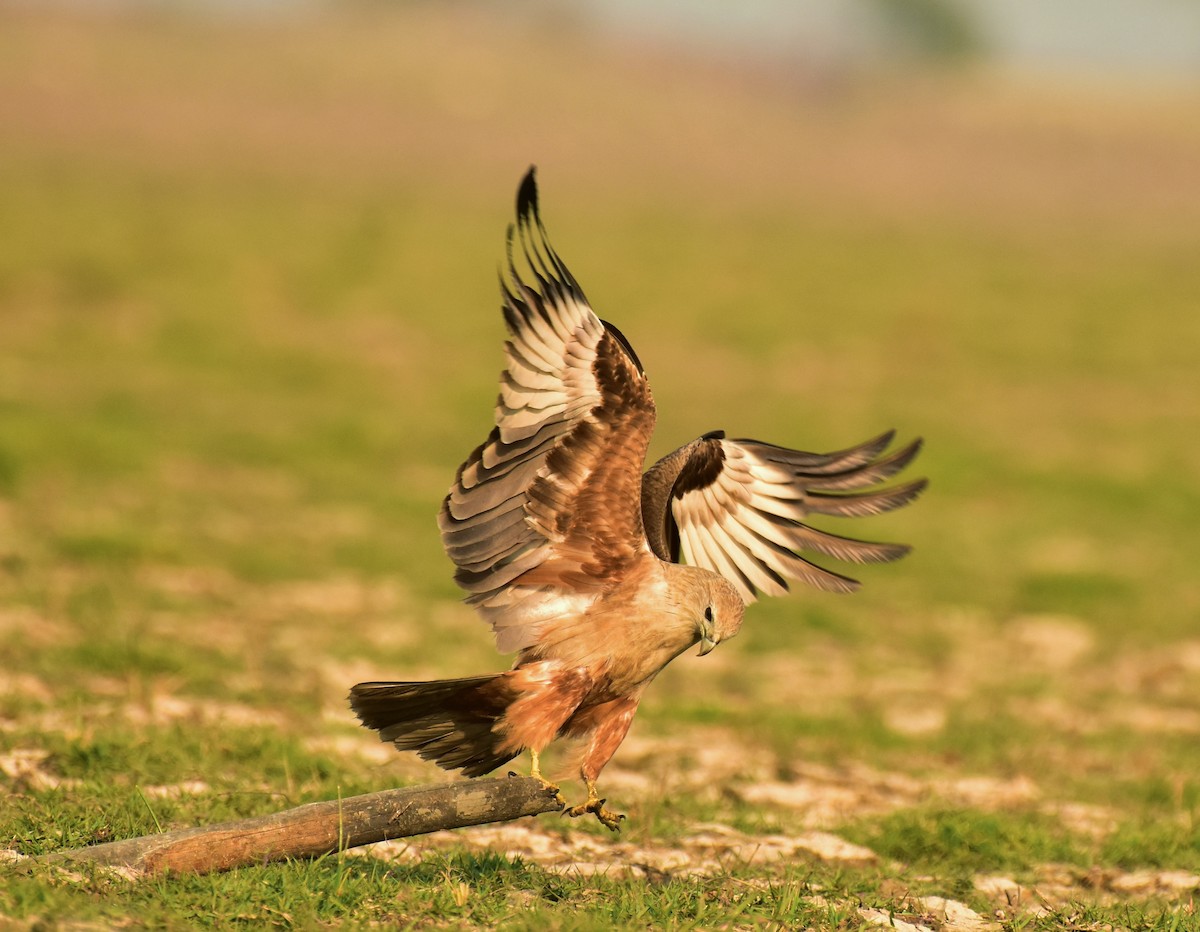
708, 613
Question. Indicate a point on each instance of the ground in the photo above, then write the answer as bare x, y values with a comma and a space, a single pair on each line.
249, 326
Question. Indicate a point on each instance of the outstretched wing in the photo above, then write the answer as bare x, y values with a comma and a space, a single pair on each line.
546, 513
737, 507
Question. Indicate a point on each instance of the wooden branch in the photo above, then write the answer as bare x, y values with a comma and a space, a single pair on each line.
323, 828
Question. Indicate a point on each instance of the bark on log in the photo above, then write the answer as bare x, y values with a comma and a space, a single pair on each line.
323, 828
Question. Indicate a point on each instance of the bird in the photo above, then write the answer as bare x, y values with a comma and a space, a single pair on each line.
595, 573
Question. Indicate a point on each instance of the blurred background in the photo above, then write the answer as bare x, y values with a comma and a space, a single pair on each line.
249, 327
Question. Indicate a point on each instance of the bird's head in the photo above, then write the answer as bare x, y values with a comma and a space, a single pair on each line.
720, 610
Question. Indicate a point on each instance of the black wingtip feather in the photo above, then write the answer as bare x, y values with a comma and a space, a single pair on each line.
552, 277
527, 194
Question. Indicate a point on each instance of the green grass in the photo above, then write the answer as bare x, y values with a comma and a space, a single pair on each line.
239, 368
946, 842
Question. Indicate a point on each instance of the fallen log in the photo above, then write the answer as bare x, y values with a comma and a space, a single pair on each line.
322, 828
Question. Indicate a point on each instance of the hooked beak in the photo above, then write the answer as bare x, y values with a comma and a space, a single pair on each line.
707, 641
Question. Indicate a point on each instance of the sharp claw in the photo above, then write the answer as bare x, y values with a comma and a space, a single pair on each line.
610, 820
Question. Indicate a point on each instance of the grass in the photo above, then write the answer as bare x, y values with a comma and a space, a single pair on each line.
248, 329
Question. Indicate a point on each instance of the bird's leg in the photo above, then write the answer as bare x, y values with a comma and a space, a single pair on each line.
606, 726
535, 771
595, 805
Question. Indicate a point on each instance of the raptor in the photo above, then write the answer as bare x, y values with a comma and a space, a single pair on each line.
595, 573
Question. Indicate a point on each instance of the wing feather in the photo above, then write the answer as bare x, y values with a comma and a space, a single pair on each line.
547, 508
704, 551
552, 509
862, 504
738, 508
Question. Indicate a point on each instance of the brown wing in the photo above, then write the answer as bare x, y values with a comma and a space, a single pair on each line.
737, 507
546, 513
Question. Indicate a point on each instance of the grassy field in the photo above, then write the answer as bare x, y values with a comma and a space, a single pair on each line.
249, 326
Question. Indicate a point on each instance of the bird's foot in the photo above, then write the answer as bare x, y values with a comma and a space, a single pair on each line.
552, 790
609, 819
550, 787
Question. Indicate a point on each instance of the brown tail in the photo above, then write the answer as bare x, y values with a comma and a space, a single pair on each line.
449, 722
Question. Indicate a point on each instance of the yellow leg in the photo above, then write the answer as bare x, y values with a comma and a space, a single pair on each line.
535, 771
595, 805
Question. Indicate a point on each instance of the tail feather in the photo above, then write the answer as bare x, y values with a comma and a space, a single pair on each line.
450, 722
